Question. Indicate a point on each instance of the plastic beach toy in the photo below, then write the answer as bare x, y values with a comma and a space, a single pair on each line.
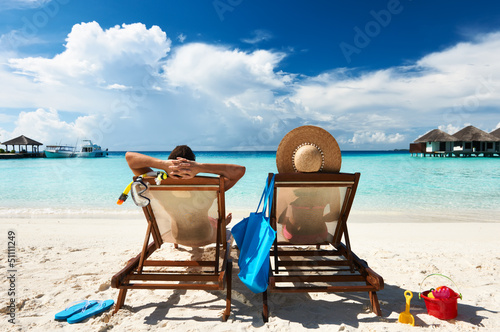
441, 292
405, 317
442, 301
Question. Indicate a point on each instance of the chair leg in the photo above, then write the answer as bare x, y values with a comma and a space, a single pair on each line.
265, 308
121, 300
229, 271
375, 304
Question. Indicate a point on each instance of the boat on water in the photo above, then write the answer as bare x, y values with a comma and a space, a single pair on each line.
60, 151
90, 150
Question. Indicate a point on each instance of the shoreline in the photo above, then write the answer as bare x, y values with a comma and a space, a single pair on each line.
356, 216
87, 252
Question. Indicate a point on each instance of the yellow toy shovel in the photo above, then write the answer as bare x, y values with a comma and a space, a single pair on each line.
405, 317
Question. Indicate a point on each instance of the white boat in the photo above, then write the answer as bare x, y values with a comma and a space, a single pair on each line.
60, 151
90, 150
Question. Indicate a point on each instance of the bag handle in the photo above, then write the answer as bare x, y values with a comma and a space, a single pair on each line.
269, 197
264, 193
441, 275
267, 194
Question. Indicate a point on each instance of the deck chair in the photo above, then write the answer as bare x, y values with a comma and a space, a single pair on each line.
177, 213
309, 213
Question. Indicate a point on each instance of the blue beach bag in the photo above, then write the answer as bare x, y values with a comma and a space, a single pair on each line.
254, 237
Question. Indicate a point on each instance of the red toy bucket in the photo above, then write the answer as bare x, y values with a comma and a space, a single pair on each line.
442, 308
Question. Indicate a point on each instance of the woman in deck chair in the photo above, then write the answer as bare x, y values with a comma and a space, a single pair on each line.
304, 213
191, 224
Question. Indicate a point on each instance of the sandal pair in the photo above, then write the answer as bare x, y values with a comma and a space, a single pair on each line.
79, 311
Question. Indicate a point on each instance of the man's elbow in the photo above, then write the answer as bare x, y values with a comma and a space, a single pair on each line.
234, 175
240, 171
130, 157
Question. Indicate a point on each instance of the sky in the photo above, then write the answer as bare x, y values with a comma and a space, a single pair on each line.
239, 74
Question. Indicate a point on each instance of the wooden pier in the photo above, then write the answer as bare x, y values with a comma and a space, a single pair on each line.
22, 155
456, 154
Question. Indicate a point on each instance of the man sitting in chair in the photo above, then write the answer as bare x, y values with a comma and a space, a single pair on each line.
181, 164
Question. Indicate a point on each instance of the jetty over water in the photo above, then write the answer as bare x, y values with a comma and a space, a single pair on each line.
22, 142
467, 142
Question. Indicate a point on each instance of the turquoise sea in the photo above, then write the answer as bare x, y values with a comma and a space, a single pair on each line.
391, 183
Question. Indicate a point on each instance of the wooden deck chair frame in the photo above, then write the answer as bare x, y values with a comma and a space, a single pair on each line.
340, 270
137, 273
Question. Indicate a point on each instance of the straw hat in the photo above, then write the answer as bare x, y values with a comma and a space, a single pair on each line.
308, 149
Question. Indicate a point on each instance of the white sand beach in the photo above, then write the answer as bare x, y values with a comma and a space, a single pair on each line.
60, 261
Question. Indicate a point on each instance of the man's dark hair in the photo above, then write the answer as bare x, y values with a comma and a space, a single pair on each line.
182, 151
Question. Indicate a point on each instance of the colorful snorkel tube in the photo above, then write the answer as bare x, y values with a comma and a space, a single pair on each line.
159, 176
123, 197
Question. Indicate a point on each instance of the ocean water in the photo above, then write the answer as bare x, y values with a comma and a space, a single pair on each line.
391, 183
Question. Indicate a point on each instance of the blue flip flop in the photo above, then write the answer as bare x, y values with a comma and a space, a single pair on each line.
94, 310
74, 308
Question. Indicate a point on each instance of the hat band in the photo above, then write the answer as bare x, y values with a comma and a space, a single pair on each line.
312, 144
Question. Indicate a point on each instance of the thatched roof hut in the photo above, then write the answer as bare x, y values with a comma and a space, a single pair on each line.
496, 133
473, 134
436, 135
469, 141
23, 141
434, 141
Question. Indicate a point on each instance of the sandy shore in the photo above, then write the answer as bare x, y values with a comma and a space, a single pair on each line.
64, 260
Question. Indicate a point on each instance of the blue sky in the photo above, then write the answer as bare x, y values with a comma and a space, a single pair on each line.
239, 74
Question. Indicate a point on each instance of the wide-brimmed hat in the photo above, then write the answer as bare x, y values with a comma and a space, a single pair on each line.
308, 149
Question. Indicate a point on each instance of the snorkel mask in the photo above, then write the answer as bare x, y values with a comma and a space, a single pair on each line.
137, 189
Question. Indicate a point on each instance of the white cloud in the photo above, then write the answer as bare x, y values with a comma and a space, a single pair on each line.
375, 137
223, 72
117, 87
104, 73
119, 55
258, 36
47, 127
450, 128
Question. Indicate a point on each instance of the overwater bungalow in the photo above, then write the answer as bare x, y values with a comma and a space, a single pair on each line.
474, 141
467, 142
435, 143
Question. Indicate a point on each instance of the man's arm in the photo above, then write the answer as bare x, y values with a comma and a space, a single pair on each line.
183, 168
140, 163
189, 168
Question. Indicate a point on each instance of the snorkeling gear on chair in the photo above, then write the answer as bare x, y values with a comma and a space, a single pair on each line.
160, 176
138, 187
